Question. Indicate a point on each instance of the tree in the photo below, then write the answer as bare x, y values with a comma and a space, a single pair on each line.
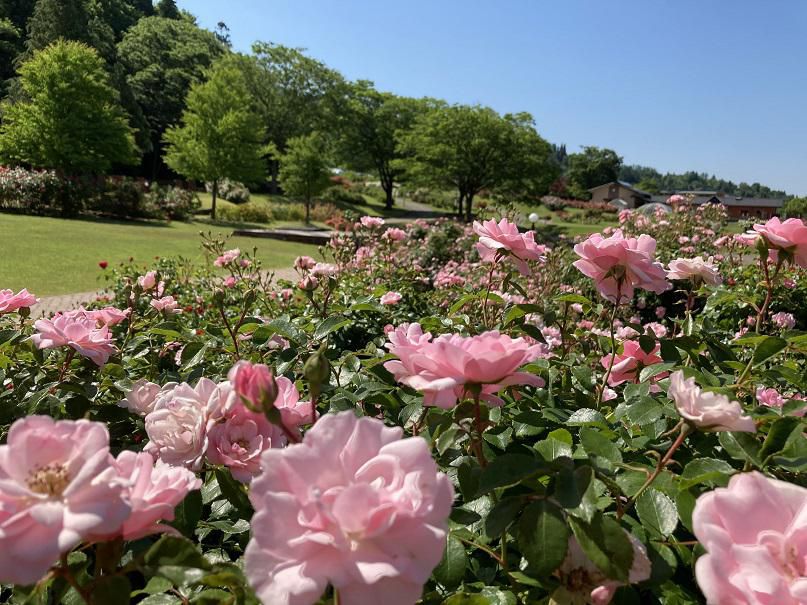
57, 19
69, 119
295, 94
9, 39
168, 9
162, 59
796, 207
221, 135
473, 148
304, 168
649, 185
368, 133
592, 167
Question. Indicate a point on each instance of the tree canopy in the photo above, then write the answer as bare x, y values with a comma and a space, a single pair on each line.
591, 167
304, 168
69, 119
221, 136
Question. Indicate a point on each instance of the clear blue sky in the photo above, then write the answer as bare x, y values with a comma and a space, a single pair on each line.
717, 86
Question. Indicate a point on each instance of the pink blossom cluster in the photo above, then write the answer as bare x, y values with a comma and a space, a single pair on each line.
86, 332
503, 239
60, 486
11, 302
452, 367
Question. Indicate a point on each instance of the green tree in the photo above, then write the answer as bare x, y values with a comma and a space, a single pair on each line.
591, 167
69, 118
473, 148
295, 94
168, 9
796, 207
162, 59
9, 47
304, 168
221, 135
649, 185
368, 132
57, 19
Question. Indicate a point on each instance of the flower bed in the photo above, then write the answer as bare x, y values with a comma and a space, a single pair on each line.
440, 414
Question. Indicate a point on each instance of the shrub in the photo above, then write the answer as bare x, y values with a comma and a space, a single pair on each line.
342, 195
29, 191
323, 212
232, 191
287, 211
174, 203
251, 212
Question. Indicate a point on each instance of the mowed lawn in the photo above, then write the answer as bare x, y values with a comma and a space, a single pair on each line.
60, 256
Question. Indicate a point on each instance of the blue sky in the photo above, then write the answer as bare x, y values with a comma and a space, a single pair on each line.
717, 86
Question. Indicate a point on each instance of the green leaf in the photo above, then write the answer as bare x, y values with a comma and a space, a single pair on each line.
741, 446
328, 325
645, 411
558, 443
234, 492
173, 550
649, 371
704, 470
586, 416
657, 512
501, 516
498, 597
507, 470
466, 598
160, 599
543, 537
606, 544
451, 569
188, 513
778, 435
111, 590
769, 347
597, 444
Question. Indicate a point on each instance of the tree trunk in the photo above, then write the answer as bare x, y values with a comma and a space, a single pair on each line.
390, 201
459, 205
214, 194
469, 215
274, 188
307, 210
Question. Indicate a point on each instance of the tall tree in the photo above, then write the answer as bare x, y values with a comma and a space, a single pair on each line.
304, 168
295, 93
9, 47
591, 167
57, 19
221, 136
473, 148
368, 132
162, 60
70, 119
168, 9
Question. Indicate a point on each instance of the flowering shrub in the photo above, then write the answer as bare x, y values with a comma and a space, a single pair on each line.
432, 413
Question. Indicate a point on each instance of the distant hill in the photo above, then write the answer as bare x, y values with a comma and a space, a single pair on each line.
652, 181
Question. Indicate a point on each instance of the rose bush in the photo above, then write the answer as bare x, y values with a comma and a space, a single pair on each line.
437, 413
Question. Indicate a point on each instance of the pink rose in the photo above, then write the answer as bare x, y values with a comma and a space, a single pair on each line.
788, 237
753, 532
370, 522
325, 270
177, 426
770, 397
661, 312
227, 257
394, 234
618, 265
110, 316
155, 490
58, 486
707, 410
504, 238
583, 582
143, 395
695, 270
371, 221
304, 263
391, 298
308, 283
239, 438
148, 281
10, 302
786, 321
294, 412
167, 305
628, 364
77, 331
230, 281
254, 384
444, 369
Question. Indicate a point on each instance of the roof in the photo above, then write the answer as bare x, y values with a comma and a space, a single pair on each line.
705, 197
624, 184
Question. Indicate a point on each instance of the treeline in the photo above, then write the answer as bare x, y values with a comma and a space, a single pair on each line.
652, 181
99, 86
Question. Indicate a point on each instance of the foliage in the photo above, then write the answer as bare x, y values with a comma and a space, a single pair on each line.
472, 149
70, 120
232, 191
590, 168
304, 168
796, 207
220, 136
162, 60
695, 181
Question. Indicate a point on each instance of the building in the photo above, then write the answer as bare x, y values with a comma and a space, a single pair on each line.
624, 195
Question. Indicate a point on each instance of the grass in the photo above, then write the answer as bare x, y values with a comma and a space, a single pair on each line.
59, 256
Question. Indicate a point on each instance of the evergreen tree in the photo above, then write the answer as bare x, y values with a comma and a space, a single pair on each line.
55, 19
168, 9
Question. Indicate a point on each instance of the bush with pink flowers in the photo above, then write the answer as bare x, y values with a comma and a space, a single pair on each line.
430, 413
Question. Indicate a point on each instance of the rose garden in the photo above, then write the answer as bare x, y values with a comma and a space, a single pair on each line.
441, 413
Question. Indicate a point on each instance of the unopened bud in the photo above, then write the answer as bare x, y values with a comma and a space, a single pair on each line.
218, 297
317, 370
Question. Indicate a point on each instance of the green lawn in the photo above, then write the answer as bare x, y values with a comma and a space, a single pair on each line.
59, 256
